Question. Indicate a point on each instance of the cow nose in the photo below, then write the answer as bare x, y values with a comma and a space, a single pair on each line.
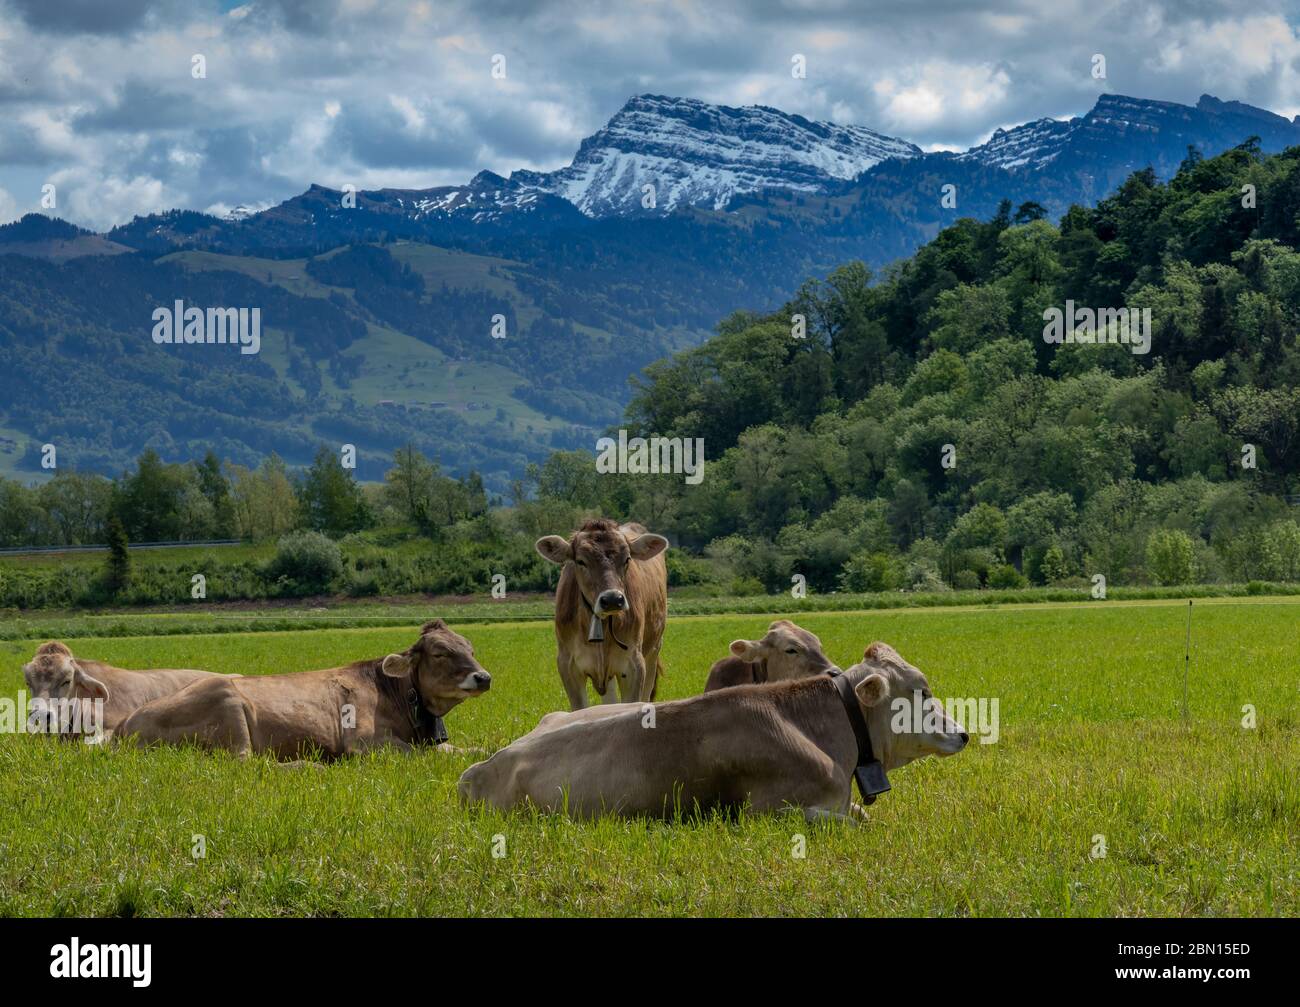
482, 679
964, 736
611, 601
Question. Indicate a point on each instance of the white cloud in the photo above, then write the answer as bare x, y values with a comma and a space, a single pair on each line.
8, 208
940, 91
381, 92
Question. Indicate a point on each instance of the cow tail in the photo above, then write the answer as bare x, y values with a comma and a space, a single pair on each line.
659, 673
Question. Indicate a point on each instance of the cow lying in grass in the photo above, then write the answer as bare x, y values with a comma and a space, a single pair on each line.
781, 745
786, 651
396, 701
64, 687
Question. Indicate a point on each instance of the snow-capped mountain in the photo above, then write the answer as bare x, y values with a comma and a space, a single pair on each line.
1133, 132
710, 158
1032, 145
485, 198
690, 153
241, 212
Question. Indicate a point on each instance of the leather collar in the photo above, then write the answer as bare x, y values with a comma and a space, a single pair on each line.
426, 728
869, 771
596, 631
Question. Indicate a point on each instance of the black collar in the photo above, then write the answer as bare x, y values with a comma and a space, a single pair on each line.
596, 631
426, 727
869, 772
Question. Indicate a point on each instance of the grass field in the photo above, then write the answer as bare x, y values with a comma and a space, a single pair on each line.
1199, 817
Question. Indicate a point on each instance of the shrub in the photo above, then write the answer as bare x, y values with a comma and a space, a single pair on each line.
745, 586
1054, 567
1006, 576
923, 576
117, 569
875, 571
307, 560
966, 580
1170, 557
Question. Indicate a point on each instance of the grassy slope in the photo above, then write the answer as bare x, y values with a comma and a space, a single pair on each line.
397, 366
1199, 818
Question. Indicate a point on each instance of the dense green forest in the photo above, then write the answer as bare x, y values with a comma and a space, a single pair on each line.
827, 452
912, 430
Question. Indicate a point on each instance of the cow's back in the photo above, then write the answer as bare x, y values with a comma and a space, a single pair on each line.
611, 761
129, 689
731, 671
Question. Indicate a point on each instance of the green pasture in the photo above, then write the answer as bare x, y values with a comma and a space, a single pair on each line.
1197, 816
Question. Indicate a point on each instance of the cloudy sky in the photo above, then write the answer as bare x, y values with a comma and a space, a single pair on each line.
100, 97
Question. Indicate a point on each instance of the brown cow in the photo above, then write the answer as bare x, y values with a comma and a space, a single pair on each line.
397, 701
57, 680
610, 608
782, 745
786, 651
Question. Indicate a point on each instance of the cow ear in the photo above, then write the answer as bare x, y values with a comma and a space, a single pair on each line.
92, 685
749, 651
648, 546
396, 665
554, 549
871, 690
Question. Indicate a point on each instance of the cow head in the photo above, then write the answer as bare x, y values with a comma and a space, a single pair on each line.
52, 675
901, 730
600, 553
789, 651
443, 667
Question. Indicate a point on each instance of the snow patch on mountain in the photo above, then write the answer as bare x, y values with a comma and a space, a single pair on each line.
1032, 145
691, 153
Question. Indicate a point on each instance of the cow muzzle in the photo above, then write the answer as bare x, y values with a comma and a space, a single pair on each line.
609, 602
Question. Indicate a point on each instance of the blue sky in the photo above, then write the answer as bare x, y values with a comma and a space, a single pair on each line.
99, 98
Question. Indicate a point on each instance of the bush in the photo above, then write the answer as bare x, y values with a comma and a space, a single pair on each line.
923, 576
306, 561
1006, 576
1054, 566
875, 571
747, 586
1171, 557
966, 580
684, 569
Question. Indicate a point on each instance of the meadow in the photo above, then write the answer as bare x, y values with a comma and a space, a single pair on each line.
1197, 815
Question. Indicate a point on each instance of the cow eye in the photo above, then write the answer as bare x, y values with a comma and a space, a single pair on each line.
792, 651
580, 563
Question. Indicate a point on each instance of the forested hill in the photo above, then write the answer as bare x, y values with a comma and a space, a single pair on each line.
826, 454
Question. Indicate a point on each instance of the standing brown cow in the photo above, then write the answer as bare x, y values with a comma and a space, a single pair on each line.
610, 608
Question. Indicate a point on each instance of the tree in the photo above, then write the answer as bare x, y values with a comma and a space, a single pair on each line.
1029, 212
118, 565
77, 503
329, 498
148, 501
215, 487
263, 500
1171, 558
409, 485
